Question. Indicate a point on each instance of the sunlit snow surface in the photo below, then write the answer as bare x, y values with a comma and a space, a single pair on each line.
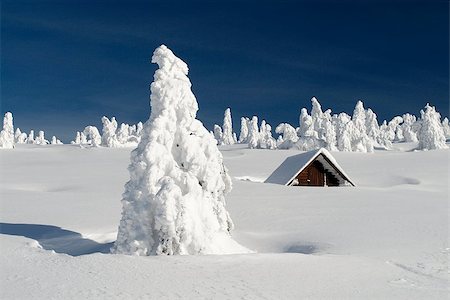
385, 238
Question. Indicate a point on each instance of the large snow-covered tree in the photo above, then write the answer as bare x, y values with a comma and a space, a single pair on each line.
174, 202
7, 134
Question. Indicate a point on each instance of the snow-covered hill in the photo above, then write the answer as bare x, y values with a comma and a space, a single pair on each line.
386, 238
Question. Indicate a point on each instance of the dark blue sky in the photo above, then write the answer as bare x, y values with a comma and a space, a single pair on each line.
65, 64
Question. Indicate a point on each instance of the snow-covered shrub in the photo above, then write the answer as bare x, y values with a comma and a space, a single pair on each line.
288, 136
431, 134
174, 202
243, 135
7, 134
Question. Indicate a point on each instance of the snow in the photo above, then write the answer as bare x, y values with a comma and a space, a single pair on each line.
294, 164
386, 238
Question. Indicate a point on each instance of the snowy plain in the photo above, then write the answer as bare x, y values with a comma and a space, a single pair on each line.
386, 238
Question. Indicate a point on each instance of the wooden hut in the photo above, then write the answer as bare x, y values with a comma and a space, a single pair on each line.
312, 168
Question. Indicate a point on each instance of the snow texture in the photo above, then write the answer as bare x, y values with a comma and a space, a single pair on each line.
174, 202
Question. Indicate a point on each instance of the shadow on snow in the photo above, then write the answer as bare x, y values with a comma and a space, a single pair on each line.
56, 238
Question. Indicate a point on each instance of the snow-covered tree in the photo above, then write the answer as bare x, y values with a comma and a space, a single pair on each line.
20, 137
372, 127
123, 133
77, 140
139, 127
109, 138
431, 135
7, 134
409, 134
174, 202
40, 139
308, 137
30, 138
253, 133
266, 141
243, 136
316, 114
288, 136
227, 136
358, 130
55, 141
93, 135
218, 134
446, 128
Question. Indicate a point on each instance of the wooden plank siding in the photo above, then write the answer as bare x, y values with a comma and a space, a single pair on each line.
315, 175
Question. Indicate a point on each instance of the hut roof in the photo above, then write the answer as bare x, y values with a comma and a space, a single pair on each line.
295, 164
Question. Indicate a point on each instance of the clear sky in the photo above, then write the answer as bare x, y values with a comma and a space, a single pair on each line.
65, 64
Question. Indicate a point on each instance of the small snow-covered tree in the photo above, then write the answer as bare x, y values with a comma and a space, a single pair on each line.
253, 133
288, 136
123, 133
174, 202
266, 141
343, 132
7, 134
77, 140
372, 127
227, 136
409, 133
308, 137
316, 114
20, 137
30, 138
218, 134
55, 141
93, 135
139, 127
446, 128
243, 136
431, 135
109, 138
40, 139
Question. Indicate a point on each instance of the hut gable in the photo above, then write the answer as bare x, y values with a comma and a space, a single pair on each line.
312, 168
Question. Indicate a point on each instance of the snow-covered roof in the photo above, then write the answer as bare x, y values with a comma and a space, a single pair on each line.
295, 164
